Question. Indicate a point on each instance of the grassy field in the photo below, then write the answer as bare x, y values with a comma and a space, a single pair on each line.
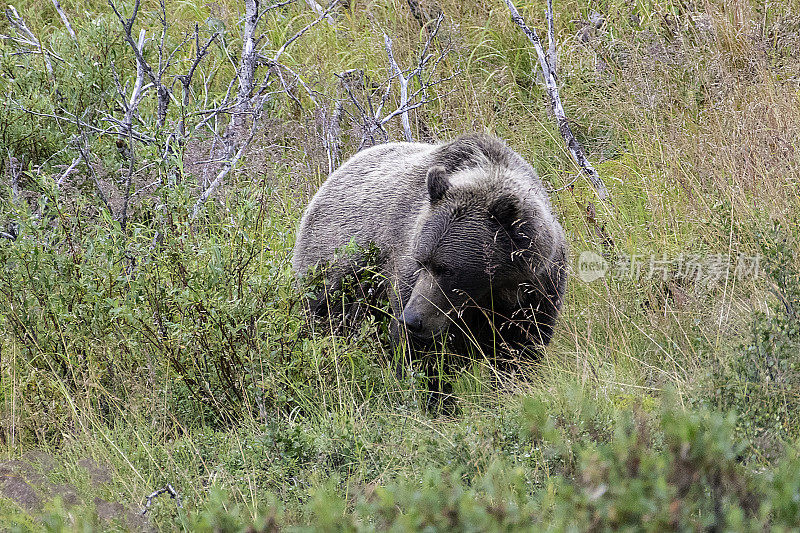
162, 348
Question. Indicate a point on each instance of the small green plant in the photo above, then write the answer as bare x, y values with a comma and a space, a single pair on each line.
762, 381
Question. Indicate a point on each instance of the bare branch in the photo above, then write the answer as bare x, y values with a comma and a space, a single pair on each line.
551, 38
229, 164
247, 67
299, 81
244, 101
404, 109
575, 148
284, 46
18, 24
138, 89
161, 89
404, 77
211, 114
273, 6
316, 8
133, 106
14, 168
73, 119
403, 89
69, 170
302, 32
186, 79
65, 20
166, 490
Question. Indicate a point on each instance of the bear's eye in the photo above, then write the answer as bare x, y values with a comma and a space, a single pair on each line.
447, 272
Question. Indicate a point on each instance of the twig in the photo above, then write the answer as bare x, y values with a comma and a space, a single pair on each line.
14, 169
403, 89
316, 8
186, 79
274, 6
65, 20
166, 490
551, 38
68, 171
19, 24
548, 71
162, 91
229, 164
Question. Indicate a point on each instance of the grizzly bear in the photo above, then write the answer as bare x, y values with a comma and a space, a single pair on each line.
468, 244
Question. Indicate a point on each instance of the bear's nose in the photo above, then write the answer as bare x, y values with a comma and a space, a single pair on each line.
412, 321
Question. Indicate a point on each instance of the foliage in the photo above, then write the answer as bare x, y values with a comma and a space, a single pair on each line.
763, 380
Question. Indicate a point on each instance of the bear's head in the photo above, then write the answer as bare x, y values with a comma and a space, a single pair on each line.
479, 239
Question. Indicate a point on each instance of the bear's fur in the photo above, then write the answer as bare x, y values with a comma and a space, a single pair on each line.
468, 242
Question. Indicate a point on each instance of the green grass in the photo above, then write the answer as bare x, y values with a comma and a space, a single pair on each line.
176, 350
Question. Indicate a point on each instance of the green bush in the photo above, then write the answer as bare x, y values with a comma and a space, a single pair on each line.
680, 471
762, 382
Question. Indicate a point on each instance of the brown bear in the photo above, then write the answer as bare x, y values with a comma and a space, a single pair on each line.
468, 244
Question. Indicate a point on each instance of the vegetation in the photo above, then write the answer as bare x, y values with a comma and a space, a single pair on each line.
149, 339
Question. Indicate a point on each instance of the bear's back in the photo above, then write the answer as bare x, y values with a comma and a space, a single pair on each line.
374, 197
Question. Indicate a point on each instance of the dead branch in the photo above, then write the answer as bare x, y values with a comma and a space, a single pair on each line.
14, 168
548, 71
74, 119
244, 102
551, 38
166, 490
302, 32
332, 125
67, 172
247, 67
211, 114
161, 89
403, 81
374, 121
318, 9
29, 39
297, 78
131, 107
65, 20
275, 6
139, 89
250, 58
230, 162
186, 79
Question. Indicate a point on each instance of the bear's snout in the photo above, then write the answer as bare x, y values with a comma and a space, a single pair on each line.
412, 321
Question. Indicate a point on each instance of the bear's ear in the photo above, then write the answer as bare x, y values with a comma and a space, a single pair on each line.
437, 183
505, 209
